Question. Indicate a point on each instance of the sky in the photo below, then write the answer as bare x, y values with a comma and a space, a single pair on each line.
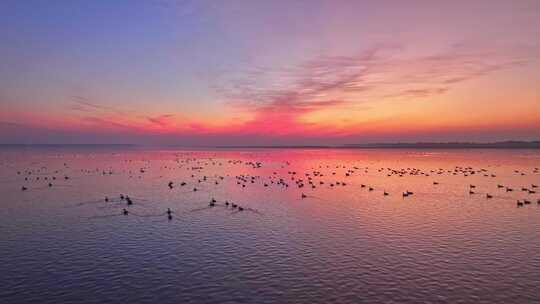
200, 73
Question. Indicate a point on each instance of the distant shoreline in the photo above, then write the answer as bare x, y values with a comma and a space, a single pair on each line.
419, 145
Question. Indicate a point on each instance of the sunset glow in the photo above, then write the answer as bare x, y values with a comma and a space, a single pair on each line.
269, 73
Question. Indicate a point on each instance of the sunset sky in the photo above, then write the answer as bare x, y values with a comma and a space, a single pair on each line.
269, 72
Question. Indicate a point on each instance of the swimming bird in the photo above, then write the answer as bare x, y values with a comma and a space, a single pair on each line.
106, 199
169, 212
303, 195
125, 212
385, 193
519, 204
23, 188
488, 195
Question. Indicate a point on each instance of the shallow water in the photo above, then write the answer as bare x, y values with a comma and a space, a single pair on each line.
339, 244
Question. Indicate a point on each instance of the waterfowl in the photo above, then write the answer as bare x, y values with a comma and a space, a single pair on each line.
519, 204
23, 188
303, 195
106, 199
169, 216
488, 195
125, 212
50, 185
129, 201
385, 193
169, 212
170, 185
240, 208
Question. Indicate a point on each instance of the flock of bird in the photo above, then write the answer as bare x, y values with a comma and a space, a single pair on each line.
280, 176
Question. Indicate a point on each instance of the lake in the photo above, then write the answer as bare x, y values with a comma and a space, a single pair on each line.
307, 226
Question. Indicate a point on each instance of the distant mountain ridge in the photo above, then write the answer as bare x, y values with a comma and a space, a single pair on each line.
417, 145
454, 145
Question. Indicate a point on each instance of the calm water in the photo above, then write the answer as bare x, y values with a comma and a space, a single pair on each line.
339, 244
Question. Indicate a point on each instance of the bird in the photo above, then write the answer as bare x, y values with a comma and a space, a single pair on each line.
519, 204
488, 195
23, 188
125, 212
